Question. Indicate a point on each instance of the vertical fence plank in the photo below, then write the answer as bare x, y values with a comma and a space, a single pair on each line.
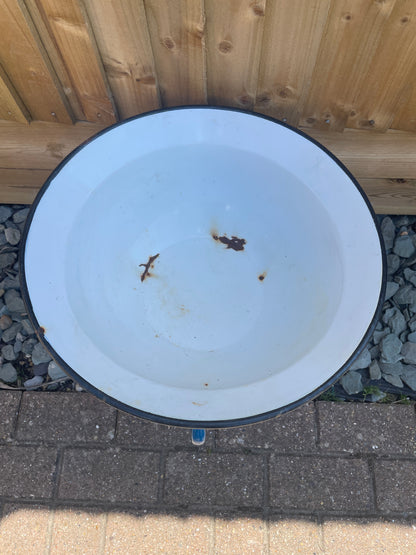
234, 35
120, 29
361, 68
292, 35
11, 106
177, 32
69, 28
26, 69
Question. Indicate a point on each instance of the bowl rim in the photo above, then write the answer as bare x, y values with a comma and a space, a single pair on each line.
208, 424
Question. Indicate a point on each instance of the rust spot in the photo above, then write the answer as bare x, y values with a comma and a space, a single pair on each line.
262, 276
225, 46
198, 404
41, 330
234, 243
205, 385
147, 266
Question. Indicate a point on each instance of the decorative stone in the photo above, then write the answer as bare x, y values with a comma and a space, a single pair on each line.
392, 368
7, 259
391, 289
410, 275
17, 346
12, 236
397, 323
8, 352
390, 348
5, 322
27, 326
40, 369
352, 382
409, 376
28, 345
11, 332
55, 372
21, 215
34, 382
8, 373
39, 354
388, 230
13, 301
409, 353
363, 361
378, 335
393, 263
394, 380
5, 213
374, 370
404, 246
405, 295
412, 337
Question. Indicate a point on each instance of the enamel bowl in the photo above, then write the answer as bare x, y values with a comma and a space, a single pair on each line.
203, 267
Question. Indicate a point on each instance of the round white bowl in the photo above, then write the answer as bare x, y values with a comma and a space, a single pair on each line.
203, 267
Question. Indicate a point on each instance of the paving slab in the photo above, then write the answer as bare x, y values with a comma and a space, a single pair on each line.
24, 529
350, 537
135, 431
236, 533
65, 417
77, 531
27, 472
367, 428
153, 534
395, 485
291, 432
214, 479
294, 535
320, 484
113, 475
9, 405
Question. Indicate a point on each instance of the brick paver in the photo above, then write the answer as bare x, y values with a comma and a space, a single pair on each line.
77, 476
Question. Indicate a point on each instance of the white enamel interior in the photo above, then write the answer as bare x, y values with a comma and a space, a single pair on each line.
202, 337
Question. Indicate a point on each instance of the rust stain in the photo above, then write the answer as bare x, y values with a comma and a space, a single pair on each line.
198, 404
205, 385
41, 330
149, 264
262, 276
234, 243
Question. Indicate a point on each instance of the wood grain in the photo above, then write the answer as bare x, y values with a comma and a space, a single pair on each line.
26, 69
234, 32
177, 34
11, 105
69, 28
349, 44
120, 29
292, 35
384, 163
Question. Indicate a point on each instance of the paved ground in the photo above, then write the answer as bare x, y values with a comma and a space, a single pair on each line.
76, 476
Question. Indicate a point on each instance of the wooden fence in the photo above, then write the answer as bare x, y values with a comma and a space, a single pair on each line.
343, 70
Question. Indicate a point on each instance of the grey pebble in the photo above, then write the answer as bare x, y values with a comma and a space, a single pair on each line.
13, 301
397, 323
40, 354
392, 368
352, 382
12, 236
17, 347
34, 382
40, 369
374, 352
388, 230
7, 259
5, 322
410, 275
394, 380
28, 345
404, 246
412, 337
27, 326
55, 372
405, 295
5, 213
390, 348
374, 370
409, 376
11, 332
8, 373
412, 324
21, 215
391, 289
10, 283
393, 263
363, 361
409, 353
8, 352
378, 335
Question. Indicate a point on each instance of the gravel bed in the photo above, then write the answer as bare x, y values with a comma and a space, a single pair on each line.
386, 369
